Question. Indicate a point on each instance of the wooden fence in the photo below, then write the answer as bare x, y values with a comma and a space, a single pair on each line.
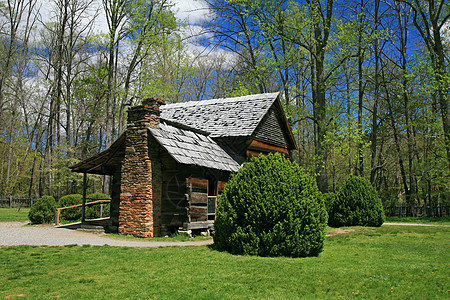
17, 202
101, 202
414, 210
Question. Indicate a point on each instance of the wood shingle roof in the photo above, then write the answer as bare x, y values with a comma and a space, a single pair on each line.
238, 116
198, 133
193, 148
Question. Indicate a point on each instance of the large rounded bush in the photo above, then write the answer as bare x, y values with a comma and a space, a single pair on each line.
43, 211
356, 203
93, 211
270, 208
69, 200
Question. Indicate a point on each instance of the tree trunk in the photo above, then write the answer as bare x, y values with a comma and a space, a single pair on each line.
321, 26
373, 138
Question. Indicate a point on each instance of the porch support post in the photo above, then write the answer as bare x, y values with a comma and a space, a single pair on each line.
83, 203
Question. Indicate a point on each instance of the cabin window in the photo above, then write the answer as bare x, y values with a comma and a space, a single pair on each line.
212, 200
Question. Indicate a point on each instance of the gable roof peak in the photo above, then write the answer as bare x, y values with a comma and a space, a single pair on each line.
225, 117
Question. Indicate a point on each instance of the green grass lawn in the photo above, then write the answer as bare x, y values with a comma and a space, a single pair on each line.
14, 214
173, 238
399, 262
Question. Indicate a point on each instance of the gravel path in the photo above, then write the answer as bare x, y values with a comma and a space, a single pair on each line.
18, 233
416, 224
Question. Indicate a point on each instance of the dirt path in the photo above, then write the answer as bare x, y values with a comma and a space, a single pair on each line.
19, 233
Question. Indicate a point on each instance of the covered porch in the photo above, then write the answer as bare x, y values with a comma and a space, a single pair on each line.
107, 163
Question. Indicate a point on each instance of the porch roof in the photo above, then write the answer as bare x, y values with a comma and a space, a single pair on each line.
191, 147
105, 162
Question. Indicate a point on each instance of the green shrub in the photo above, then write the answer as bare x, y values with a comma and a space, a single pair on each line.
93, 211
69, 200
329, 199
271, 208
356, 203
43, 211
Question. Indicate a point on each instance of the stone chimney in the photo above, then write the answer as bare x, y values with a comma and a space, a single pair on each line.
141, 178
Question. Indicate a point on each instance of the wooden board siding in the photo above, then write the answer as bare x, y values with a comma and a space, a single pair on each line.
174, 201
198, 213
220, 187
256, 147
197, 184
175, 195
271, 130
197, 199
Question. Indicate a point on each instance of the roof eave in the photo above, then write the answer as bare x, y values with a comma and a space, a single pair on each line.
90, 165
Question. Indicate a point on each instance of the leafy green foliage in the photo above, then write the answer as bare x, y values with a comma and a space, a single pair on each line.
43, 211
328, 199
93, 211
69, 200
271, 208
356, 203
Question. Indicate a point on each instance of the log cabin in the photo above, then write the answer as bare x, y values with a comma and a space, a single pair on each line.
173, 160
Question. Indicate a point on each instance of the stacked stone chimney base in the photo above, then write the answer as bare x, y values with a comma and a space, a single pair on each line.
140, 197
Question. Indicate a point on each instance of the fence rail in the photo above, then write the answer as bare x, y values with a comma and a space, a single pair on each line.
101, 202
414, 210
17, 202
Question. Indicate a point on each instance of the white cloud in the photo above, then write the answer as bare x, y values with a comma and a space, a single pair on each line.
192, 11
48, 9
445, 33
196, 13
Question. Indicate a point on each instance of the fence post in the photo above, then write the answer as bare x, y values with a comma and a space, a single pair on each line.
58, 210
83, 202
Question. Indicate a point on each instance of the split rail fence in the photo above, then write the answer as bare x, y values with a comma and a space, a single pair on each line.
101, 202
414, 210
17, 202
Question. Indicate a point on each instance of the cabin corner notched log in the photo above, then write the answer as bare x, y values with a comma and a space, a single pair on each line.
173, 161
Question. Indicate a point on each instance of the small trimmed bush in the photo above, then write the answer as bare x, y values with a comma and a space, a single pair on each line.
271, 208
356, 204
43, 211
69, 200
93, 211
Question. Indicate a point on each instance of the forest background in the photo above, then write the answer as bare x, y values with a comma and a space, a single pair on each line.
365, 84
